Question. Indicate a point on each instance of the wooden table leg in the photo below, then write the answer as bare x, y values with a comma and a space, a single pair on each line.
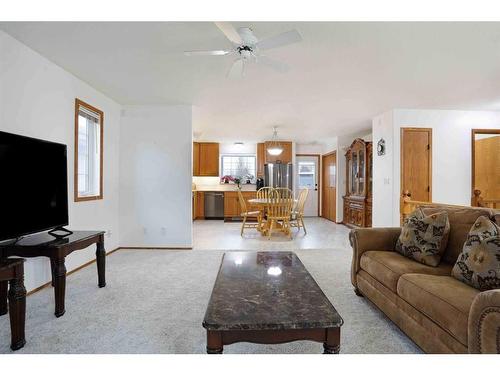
52, 268
214, 342
101, 263
59, 285
3, 297
17, 306
332, 343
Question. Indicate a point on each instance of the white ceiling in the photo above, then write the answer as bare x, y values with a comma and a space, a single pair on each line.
340, 76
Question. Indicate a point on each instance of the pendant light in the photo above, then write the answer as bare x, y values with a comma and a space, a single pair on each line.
275, 147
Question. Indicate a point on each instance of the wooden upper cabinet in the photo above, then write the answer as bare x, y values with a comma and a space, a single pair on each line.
206, 159
284, 157
196, 159
261, 159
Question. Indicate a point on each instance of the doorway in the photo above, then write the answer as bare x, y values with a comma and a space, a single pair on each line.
308, 178
416, 163
329, 186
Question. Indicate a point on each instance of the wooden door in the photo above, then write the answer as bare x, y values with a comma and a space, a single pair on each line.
486, 167
416, 162
196, 159
209, 159
329, 187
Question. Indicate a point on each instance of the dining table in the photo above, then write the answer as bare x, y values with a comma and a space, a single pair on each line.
262, 204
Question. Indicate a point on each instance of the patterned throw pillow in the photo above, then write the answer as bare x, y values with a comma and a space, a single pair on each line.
479, 263
424, 238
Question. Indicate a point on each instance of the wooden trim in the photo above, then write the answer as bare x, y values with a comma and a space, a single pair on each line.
337, 169
402, 131
329, 153
336, 183
69, 273
81, 103
473, 151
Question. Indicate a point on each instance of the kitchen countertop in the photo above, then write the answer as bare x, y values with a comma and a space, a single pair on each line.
225, 187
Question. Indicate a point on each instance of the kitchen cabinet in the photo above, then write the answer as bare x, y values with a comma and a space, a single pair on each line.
284, 157
196, 159
198, 205
232, 207
231, 204
261, 159
206, 159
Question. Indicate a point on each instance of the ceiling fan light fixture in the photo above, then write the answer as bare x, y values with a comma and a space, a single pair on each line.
275, 147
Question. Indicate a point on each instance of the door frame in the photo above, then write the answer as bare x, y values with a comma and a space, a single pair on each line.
403, 130
473, 156
318, 157
336, 181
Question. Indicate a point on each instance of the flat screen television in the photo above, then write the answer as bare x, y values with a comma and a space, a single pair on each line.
33, 185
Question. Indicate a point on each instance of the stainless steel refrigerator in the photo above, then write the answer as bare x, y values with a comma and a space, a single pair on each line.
278, 175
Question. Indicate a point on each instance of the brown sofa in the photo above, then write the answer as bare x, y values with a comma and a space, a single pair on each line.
439, 313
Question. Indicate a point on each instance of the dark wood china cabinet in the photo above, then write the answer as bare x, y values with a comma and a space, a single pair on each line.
359, 174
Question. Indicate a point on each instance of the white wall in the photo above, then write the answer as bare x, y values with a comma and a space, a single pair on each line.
451, 156
37, 99
156, 176
383, 172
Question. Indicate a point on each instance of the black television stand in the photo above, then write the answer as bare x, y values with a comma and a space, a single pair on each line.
65, 232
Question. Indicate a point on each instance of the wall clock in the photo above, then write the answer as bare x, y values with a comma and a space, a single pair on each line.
381, 147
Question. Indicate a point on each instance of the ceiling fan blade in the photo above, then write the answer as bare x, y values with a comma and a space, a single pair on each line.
206, 53
280, 40
236, 70
247, 36
276, 65
230, 32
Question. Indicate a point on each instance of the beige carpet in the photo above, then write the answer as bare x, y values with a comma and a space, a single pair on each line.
155, 302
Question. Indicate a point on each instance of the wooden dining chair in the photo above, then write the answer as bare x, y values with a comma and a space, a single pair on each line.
298, 213
246, 214
279, 211
265, 192
284, 193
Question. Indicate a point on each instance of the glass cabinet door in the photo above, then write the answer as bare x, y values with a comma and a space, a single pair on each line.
354, 177
349, 176
361, 173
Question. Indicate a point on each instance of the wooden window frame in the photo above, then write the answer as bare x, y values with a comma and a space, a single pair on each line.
80, 103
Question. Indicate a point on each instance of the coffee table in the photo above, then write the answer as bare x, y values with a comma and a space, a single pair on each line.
268, 298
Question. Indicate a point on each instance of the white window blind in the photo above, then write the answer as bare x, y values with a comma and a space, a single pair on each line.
241, 166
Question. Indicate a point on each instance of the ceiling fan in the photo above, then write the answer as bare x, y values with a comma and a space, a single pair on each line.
248, 48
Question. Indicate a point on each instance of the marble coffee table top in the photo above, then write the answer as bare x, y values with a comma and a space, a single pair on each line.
267, 290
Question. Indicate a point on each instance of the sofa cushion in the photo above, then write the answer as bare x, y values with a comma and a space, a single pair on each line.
479, 263
424, 238
461, 220
443, 299
388, 266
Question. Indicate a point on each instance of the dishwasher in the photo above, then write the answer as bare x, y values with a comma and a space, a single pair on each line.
214, 205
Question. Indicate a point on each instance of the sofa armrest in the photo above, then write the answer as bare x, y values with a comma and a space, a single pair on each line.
484, 323
365, 239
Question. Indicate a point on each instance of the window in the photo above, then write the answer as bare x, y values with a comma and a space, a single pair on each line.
242, 166
307, 175
88, 152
